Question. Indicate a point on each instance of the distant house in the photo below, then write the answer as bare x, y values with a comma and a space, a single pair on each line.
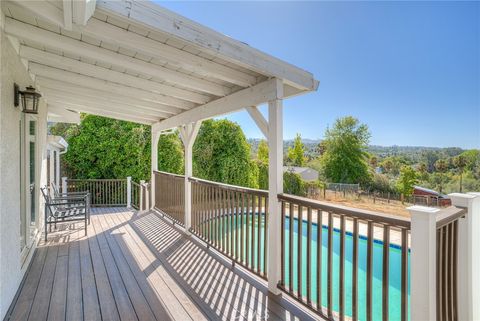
306, 173
430, 196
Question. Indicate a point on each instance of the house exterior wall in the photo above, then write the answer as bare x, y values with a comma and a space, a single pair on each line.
12, 263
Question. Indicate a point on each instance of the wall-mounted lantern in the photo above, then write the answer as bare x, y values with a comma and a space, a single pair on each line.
29, 99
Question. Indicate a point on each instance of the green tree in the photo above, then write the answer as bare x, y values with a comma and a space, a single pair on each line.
345, 159
296, 154
293, 184
460, 162
262, 164
170, 154
262, 151
441, 166
407, 180
221, 153
101, 147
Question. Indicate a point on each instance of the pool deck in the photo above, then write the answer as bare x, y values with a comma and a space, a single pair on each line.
138, 266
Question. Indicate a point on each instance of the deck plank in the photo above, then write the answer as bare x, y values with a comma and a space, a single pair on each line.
135, 294
157, 305
92, 280
23, 304
41, 302
58, 303
138, 266
120, 294
74, 307
180, 307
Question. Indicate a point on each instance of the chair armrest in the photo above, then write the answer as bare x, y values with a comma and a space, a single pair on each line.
73, 197
65, 203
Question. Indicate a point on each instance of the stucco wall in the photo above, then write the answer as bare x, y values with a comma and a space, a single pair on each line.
12, 267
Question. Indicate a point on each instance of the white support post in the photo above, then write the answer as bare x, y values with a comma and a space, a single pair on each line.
423, 265
57, 169
140, 198
188, 133
52, 168
275, 187
64, 185
129, 191
154, 164
468, 286
147, 199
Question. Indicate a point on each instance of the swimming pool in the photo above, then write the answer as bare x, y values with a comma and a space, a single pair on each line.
244, 225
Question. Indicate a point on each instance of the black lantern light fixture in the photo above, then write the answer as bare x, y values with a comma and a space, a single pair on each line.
29, 99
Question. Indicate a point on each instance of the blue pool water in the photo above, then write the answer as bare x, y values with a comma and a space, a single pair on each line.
394, 268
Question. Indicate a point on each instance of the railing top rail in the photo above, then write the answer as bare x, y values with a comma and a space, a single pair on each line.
135, 184
449, 214
96, 179
230, 187
367, 215
170, 174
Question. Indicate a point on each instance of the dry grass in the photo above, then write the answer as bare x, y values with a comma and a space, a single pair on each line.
367, 203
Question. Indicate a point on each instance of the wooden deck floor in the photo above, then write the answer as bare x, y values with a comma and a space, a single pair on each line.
135, 266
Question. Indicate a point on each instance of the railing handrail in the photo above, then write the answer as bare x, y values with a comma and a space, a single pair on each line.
230, 187
135, 183
96, 179
375, 217
449, 214
170, 174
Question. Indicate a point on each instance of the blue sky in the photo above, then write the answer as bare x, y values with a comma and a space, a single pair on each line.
410, 70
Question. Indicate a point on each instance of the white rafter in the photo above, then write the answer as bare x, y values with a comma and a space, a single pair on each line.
73, 65
208, 40
103, 112
28, 32
175, 57
52, 95
255, 95
94, 83
50, 84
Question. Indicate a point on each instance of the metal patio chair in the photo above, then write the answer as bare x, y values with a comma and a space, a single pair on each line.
64, 209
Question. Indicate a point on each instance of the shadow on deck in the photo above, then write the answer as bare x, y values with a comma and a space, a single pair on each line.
138, 266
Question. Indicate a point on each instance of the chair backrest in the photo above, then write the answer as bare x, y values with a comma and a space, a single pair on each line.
45, 194
54, 189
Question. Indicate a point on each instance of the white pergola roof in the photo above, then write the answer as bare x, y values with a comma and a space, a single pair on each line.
136, 61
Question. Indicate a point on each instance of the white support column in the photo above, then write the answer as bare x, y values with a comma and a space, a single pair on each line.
188, 133
57, 169
423, 265
154, 162
129, 191
469, 256
140, 198
275, 187
52, 169
64, 184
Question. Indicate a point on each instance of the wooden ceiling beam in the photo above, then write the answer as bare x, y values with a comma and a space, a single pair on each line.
154, 17
50, 84
73, 65
50, 39
253, 96
94, 83
171, 55
52, 95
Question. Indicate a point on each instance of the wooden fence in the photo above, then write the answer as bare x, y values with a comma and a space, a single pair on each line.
103, 192
327, 250
331, 221
170, 195
447, 254
233, 220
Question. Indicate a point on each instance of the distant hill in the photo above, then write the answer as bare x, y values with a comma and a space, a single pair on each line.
413, 153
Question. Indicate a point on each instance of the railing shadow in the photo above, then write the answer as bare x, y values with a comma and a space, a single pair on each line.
221, 291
